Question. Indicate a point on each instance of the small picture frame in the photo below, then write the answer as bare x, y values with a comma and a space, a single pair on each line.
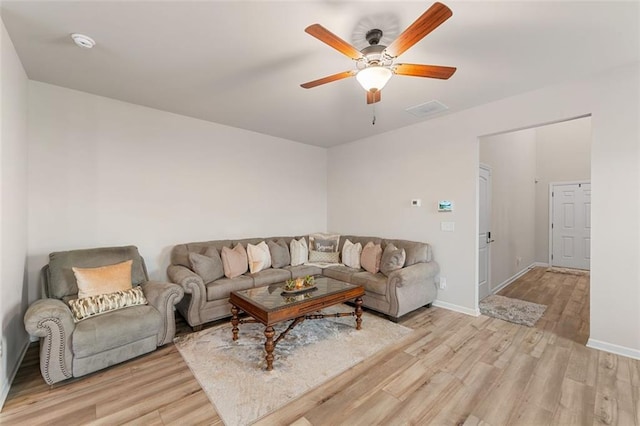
445, 206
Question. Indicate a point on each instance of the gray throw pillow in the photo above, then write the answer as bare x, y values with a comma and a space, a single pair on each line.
207, 265
280, 256
392, 259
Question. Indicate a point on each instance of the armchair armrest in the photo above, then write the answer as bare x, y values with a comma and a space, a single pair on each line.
51, 319
413, 274
163, 296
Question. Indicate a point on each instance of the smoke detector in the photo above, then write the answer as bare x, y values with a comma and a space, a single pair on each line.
83, 41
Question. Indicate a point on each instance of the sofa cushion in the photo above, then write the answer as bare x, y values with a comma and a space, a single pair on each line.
234, 261
100, 304
375, 283
62, 281
392, 259
340, 272
220, 289
115, 329
259, 257
370, 258
207, 265
416, 252
324, 257
280, 256
103, 279
351, 254
299, 252
303, 270
270, 276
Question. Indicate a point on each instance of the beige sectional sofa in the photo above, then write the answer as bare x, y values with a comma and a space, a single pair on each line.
403, 291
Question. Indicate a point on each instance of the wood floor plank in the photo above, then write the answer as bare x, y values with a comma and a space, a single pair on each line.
452, 369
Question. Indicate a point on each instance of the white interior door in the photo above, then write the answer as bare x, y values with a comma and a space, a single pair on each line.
571, 225
484, 237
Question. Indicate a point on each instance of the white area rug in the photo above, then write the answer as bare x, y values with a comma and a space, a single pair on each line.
512, 310
233, 374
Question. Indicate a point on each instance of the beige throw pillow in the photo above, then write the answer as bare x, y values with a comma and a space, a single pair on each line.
370, 258
351, 254
299, 252
234, 261
392, 259
103, 279
88, 307
324, 257
259, 257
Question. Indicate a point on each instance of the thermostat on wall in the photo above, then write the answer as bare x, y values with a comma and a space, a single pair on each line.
416, 202
445, 206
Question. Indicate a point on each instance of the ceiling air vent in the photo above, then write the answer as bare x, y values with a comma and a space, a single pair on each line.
427, 108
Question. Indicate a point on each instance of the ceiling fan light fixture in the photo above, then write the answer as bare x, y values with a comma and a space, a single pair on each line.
373, 78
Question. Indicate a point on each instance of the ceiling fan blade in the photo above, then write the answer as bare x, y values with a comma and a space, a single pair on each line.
427, 22
326, 36
373, 97
328, 79
431, 71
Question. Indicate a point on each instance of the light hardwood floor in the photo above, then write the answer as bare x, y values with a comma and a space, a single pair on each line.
453, 369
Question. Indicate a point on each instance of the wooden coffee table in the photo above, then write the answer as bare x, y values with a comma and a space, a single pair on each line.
269, 306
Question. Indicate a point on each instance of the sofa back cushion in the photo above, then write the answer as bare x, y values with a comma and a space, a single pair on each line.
61, 281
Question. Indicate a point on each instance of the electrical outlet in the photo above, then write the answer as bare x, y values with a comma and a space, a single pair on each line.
443, 283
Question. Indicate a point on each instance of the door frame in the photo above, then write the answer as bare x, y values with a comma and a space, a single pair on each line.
551, 186
487, 168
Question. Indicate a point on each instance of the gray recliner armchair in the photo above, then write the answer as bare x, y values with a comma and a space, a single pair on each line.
69, 349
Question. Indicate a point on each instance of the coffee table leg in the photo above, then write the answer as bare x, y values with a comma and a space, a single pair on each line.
358, 313
234, 322
269, 332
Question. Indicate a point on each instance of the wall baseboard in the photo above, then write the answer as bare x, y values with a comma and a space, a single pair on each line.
514, 277
614, 349
540, 265
457, 308
7, 385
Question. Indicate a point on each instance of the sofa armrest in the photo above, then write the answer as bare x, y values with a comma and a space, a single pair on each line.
195, 292
414, 274
51, 320
163, 296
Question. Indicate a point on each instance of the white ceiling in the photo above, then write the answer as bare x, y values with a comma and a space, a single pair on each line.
241, 63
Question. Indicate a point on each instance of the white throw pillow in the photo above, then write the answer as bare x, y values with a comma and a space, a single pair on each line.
259, 257
299, 252
351, 254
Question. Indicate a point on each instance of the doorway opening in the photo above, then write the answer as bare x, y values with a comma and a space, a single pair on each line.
538, 221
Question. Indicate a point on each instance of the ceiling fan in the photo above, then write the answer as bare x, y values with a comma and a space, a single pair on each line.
375, 63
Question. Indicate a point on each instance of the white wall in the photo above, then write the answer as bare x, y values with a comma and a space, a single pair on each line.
563, 153
512, 158
13, 210
371, 181
104, 172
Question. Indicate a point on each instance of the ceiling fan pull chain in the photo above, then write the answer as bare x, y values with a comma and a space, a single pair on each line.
373, 122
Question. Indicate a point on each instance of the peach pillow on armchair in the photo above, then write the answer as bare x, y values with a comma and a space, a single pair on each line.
103, 279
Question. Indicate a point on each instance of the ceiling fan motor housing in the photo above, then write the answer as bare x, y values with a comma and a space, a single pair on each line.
373, 36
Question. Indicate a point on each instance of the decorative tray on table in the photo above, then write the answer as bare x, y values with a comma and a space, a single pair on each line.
299, 285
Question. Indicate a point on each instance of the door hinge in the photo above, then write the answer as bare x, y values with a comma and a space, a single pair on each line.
552, 257
553, 194
552, 226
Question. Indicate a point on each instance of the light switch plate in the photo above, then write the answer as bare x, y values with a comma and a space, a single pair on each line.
447, 226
